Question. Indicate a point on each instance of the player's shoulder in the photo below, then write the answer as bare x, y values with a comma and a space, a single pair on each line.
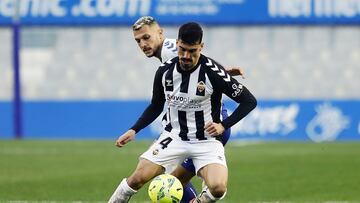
215, 69
169, 49
170, 44
209, 62
168, 64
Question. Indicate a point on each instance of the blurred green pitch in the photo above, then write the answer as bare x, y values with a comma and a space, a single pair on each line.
89, 171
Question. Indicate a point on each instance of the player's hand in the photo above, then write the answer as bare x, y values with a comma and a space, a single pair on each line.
125, 138
214, 129
235, 71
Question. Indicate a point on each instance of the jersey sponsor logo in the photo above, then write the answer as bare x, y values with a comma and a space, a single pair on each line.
181, 99
183, 102
237, 89
201, 86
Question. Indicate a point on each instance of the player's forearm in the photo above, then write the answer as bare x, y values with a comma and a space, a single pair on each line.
247, 104
148, 116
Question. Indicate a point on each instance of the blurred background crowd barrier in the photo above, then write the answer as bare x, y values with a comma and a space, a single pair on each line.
82, 75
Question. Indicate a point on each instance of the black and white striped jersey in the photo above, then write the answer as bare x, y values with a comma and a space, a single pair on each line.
193, 98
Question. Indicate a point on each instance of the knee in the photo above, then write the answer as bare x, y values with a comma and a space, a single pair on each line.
218, 190
144, 172
136, 180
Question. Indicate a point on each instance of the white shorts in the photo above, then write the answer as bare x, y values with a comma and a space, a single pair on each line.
169, 151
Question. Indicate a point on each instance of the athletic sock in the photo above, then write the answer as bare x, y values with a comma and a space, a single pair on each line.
122, 193
206, 196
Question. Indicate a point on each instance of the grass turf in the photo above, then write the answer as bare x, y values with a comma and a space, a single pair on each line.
89, 171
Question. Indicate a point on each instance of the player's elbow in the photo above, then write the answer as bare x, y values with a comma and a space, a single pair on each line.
253, 103
248, 99
250, 103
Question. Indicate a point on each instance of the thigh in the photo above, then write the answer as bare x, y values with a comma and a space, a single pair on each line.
167, 151
145, 171
214, 174
209, 152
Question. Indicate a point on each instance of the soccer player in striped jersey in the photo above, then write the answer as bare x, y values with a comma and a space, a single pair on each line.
150, 38
191, 85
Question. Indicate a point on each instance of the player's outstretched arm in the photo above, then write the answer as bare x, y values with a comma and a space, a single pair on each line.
235, 71
125, 138
151, 112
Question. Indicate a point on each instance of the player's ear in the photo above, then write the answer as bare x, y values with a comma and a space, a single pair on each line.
201, 46
161, 33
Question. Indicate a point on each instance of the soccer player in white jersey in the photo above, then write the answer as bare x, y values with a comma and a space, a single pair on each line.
192, 86
150, 39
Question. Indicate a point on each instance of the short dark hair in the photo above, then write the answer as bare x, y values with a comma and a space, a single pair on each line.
191, 33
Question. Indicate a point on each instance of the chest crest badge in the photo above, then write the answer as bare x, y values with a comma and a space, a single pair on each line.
201, 86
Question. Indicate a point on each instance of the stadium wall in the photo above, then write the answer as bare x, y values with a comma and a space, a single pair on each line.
83, 77
294, 120
225, 12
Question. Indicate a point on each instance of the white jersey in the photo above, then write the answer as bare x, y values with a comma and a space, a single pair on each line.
168, 50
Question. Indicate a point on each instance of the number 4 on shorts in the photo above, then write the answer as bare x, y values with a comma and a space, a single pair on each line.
165, 142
